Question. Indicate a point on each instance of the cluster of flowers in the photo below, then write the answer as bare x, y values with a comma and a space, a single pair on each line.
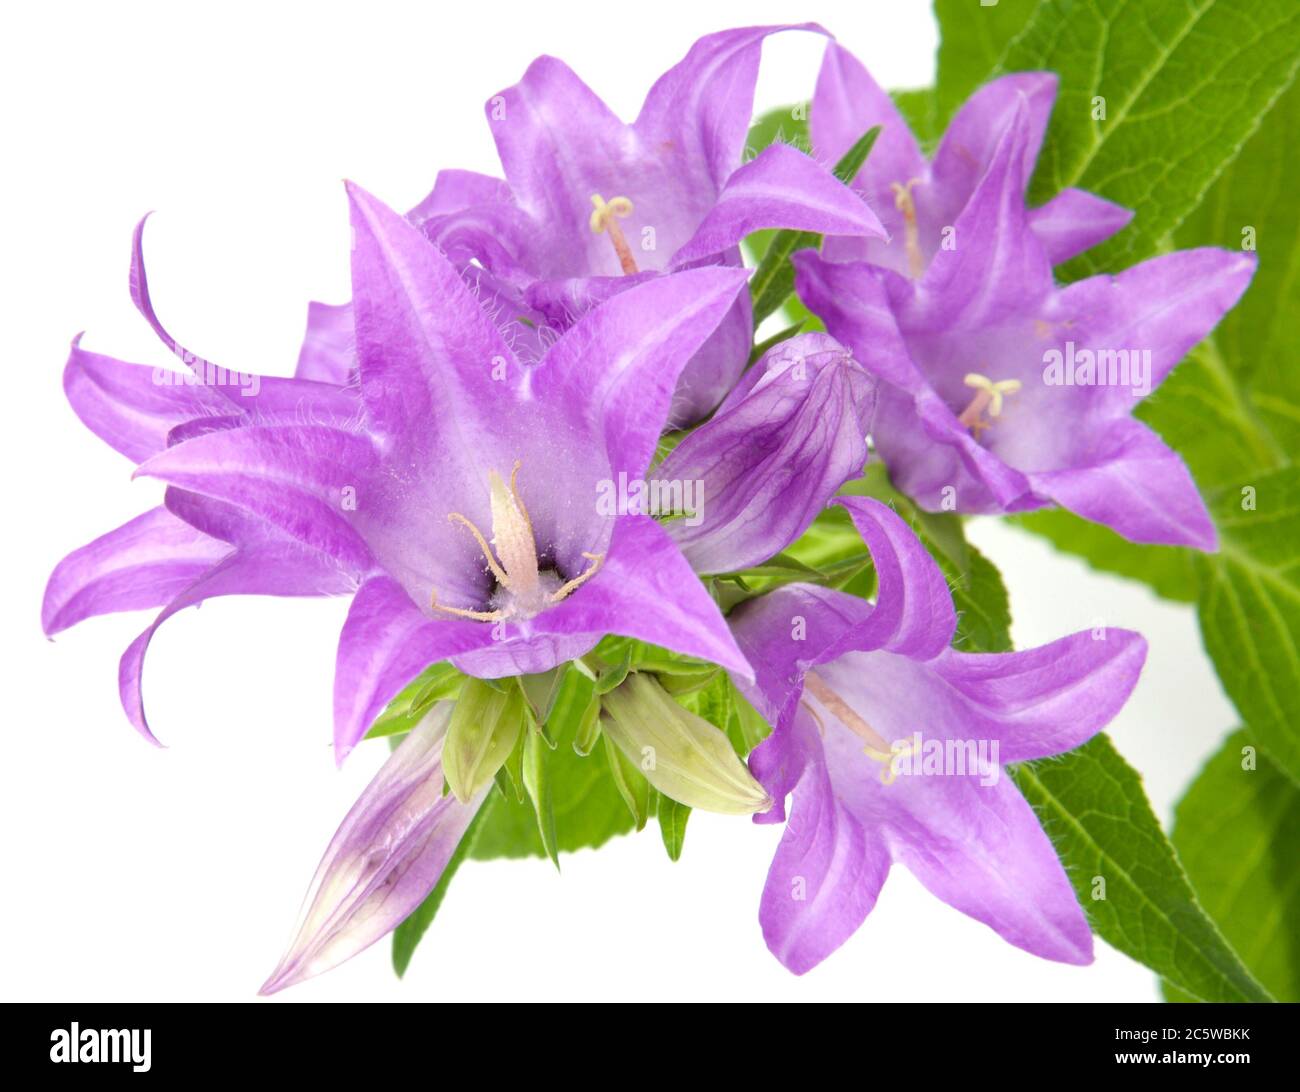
513, 346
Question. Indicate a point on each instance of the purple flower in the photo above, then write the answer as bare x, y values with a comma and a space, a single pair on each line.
451, 442
592, 206
1003, 392
387, 855
893, 744
778, 449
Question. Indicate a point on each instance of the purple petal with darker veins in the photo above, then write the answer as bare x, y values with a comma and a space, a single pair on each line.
1047, 700
292, 477
773, 458
618, 368
387, 855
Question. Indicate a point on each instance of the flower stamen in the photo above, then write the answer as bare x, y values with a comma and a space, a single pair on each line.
569, 587
846, 714
988, 398
906, 204
522, 588
604, 219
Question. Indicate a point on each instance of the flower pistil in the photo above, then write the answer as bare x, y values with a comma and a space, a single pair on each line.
604, 219
523, 588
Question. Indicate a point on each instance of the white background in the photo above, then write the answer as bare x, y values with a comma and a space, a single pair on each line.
137, 873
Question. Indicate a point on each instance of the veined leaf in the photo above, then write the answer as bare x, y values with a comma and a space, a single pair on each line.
1250, 610
1093, 807
1236, 832
1155, 101
972, 39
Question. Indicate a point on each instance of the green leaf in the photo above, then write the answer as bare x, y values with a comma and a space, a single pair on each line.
773, 281
1182, 86
972, 38
407, 936
1250, 610
1236, 832
1170, 571
672, 825
1093, 807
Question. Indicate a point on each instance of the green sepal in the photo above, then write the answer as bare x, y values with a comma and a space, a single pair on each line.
538, 786
630, 782
672, 825
484, 728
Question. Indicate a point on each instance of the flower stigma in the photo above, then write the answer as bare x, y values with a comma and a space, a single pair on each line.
604, 219
523, 588
988, 398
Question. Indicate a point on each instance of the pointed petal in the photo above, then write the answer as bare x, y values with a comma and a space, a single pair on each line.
846, 104
701, 107
771, 461
387, 855
970, 144
781, 188
646, 590
427, 351
799, 626
997, 267
275, 568
131, 407
914, 614
828, 869
292, 477
1047, 700
1137, 486
387, 641
980, 848
618, 366
142, 564
1074, 221
329, 349
925, 447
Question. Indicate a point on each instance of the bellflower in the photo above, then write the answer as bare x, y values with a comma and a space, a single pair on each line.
1003, 391
385, 858
591, 206
455, 442
893, 744
780, 446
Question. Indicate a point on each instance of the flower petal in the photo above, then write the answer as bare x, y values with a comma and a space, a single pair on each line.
828, 869
1074, 221
329, 348
780, 188
980, 849
387, 641
618, 366
771, 460
142, 564
269, 568
1047, 700
132, 407
387, 855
